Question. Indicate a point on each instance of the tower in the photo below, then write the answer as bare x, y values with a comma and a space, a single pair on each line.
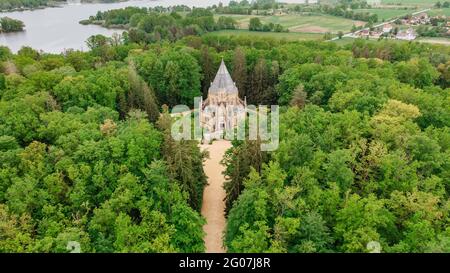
223, 108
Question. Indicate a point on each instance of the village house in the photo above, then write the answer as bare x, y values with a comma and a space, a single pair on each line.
404, 22
370, 34
387, 28
420, 19
376, 34
364, 33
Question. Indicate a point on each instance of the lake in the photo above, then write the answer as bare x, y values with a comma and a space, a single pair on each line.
56, 29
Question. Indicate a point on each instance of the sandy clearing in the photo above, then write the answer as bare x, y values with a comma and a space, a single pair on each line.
213, 197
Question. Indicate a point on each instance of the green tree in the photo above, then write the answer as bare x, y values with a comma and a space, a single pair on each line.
239, 73
255, 24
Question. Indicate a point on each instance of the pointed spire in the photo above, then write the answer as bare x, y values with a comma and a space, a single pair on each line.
223, 80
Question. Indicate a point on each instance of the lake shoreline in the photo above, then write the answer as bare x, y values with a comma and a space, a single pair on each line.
55, 30
61, 4
49, 5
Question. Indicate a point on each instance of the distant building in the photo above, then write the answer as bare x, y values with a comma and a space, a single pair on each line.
419, 19
423, 16
404, 22
364, 33
407, 35
376, 34
387, 28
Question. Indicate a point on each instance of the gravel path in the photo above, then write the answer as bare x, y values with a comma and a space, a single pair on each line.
213, 197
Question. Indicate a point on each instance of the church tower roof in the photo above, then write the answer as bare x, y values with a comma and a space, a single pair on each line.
223, 81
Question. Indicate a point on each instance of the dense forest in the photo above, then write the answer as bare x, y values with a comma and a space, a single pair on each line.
147, 25
363, 155
86, 157
86, 152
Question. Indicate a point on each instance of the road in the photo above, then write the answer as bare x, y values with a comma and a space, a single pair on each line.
213, 208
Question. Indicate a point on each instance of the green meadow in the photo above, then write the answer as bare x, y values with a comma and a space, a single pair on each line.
290, 36
309, 23
435, 12
387, 13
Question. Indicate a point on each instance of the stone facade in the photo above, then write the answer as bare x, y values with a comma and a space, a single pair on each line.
223, 109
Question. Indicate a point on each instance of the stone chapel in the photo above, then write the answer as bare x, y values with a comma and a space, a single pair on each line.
222, 110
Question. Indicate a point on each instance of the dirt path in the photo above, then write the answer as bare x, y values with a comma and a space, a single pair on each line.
213, 204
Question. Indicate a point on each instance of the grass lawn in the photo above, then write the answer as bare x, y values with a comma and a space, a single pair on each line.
290, 36
387, 13
435, 12
303, 22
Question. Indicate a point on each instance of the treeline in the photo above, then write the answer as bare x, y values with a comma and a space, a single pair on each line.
354, 4
245, 7
255, 24
10, 25
150, 25
445, 4
342, 11
25, 4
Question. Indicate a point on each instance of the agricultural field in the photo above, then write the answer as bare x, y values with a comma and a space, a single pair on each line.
290, 36
435, 12
419, 3
303, 23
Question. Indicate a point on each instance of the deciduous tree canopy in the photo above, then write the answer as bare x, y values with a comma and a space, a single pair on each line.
86, 154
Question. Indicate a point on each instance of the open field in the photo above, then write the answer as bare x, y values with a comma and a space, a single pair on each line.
290, 36
303, 22
387, 13
436, 40
313, 23
435, 12
421, 3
